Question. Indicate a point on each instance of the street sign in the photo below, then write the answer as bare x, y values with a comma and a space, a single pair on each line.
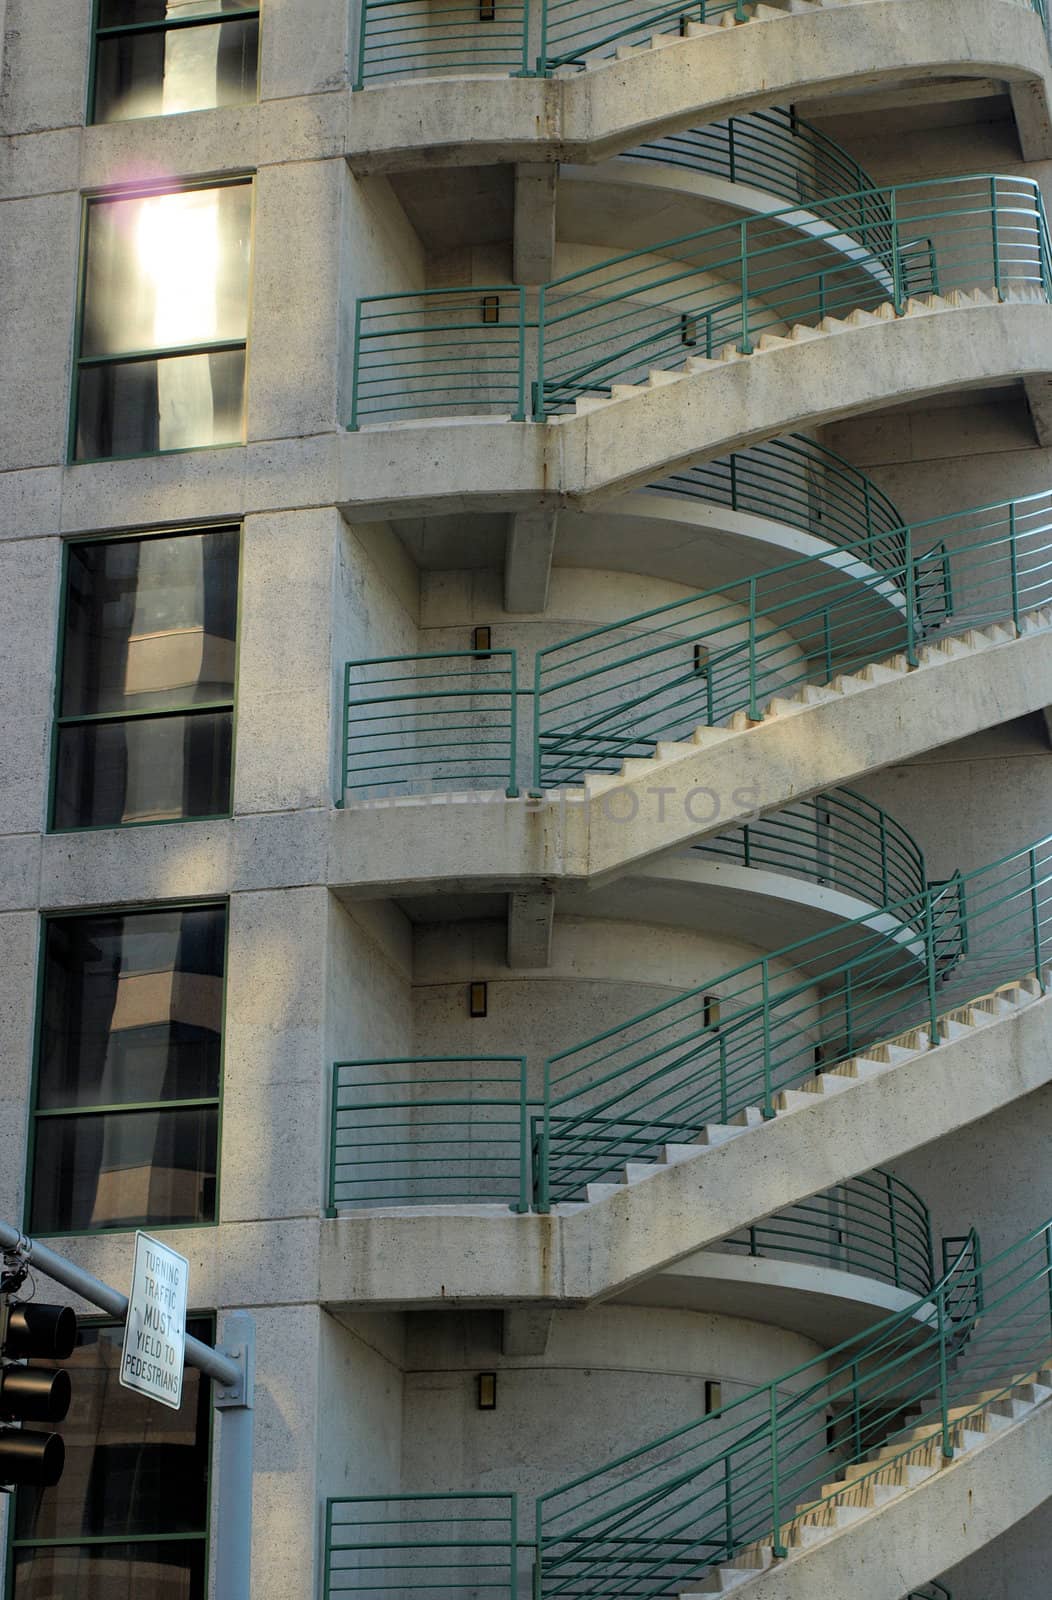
155, 1332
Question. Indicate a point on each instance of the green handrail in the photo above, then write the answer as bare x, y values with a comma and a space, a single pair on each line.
750, 1474
874, 1225
804, 484
838, 839
779, 153
421, 1544
613, 692
443, 352
435, 1130
402, 38
660, 1077
437, 720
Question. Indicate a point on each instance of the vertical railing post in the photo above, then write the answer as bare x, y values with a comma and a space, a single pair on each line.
884, 889
542, 1187
359, 66
525, 1161
930, 965
520, 403
734, 481
539, 407
326, 1589
537, 775
524, 56
542, 46
754, 711
896, 259
730, 147
330, 1204
995, 241
911, 604
856, 1412
513, 1547
768, 1106
1048, 1272
728, 1504
777, 1545
753, 1250
746, 344
345, 737
849, 1016
512, 791
896, 1265
1035, 917
1013, 562
356, 359
827, 640
944, 1399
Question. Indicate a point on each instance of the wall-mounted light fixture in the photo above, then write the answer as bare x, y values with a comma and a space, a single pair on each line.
701, 660
486, 1391
688, 328
491, 308
487, 10
482, 641
713, 1395
711, 1011
478, 999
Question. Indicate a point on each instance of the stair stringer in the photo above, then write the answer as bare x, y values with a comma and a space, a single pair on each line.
484, 1255
717, 72
923, 1531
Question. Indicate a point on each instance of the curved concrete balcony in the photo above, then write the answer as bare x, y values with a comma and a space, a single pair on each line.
658, 731
642, 365
656, 75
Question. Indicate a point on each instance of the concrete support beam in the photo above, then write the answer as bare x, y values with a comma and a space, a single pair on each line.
530, 917
1038, 389
528, 559
525, 1333
1032, 120
536, 187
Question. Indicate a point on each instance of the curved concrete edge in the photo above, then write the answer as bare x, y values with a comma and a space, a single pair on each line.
690, 183
487, 842
821, 1303
421, 122
483, 464
778, 542
582, 1254
927, 1530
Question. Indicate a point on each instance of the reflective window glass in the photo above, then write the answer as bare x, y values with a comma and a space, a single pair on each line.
161, 57
149, 631
128, 1070
164, 320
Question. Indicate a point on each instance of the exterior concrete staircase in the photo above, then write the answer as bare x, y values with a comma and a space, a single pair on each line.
875, 1061
883, 1477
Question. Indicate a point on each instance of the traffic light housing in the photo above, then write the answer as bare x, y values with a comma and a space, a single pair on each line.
28, 1394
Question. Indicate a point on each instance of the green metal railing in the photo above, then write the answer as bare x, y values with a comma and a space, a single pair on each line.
839, 839
660, 1077
662, 1515
442, 352
403, 38
779, 153
615, 691
804, 484
422, 1545
436, 721
437, 1130
875, 1225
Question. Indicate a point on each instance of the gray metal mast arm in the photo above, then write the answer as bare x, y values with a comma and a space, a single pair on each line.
209, 1361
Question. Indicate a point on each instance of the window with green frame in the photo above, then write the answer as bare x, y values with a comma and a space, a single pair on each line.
130, 1515
163, 322
129, 1040
156, 58
145, 701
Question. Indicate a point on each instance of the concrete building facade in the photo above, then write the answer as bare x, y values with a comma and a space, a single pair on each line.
527, 644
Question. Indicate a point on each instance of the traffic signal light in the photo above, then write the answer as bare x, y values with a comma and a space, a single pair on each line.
28, 1393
